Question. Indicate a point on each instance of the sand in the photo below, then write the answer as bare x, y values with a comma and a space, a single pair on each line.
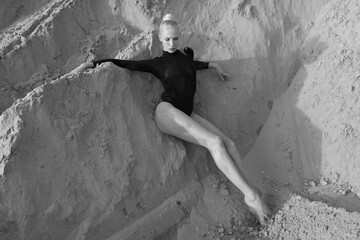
82, 158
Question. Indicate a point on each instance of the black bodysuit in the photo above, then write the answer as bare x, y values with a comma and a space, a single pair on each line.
176, 71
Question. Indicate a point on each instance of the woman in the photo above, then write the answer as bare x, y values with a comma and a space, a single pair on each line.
174, 115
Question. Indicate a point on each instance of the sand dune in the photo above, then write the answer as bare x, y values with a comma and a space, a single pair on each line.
82, 158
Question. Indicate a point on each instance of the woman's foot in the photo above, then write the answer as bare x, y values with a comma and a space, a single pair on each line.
258, 208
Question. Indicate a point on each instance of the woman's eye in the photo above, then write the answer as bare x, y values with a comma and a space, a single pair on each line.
168, 39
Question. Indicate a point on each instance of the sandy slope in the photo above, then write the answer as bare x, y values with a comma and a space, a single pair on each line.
82, 158
310, 143
312, 130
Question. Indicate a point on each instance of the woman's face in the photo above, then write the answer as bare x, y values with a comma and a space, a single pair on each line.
169, 36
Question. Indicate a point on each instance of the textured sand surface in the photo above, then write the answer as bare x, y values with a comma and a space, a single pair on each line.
82, 158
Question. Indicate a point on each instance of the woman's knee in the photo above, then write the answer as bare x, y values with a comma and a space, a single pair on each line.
162, 108
230, 144
215, 143
219, 141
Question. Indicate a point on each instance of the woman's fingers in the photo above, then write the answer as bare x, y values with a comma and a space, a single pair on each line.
221, 73
224, 76
75, 72
72, 74
68, 75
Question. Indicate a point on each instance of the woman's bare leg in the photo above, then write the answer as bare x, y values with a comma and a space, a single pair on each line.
229, 143
256, 205
172, 121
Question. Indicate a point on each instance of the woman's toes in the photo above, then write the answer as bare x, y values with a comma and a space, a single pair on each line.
259, 209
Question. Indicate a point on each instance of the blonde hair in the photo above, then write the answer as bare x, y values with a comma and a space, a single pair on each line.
169, 20
169, 17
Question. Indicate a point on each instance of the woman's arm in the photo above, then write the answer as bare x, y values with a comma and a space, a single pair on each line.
201, 65
219, 70
136, 65
141, 65
82, 67
205, 65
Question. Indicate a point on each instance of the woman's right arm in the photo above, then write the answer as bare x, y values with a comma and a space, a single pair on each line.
149, 65
82, 67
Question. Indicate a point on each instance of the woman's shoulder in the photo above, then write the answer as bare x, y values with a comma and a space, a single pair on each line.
188, 52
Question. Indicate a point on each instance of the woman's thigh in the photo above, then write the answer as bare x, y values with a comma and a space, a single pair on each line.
211, 127
173, 121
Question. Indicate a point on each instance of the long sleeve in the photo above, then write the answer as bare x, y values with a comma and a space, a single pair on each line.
201, 65
141, 65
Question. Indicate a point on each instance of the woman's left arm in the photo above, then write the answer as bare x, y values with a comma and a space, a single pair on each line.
219, 70
206, 65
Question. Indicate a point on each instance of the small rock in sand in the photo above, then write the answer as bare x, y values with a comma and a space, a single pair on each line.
287, 207
323, 182
312, 183
344, 191
224, 192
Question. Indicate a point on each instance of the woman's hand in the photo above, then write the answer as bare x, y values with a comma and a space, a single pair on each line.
76, 71
219, 70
